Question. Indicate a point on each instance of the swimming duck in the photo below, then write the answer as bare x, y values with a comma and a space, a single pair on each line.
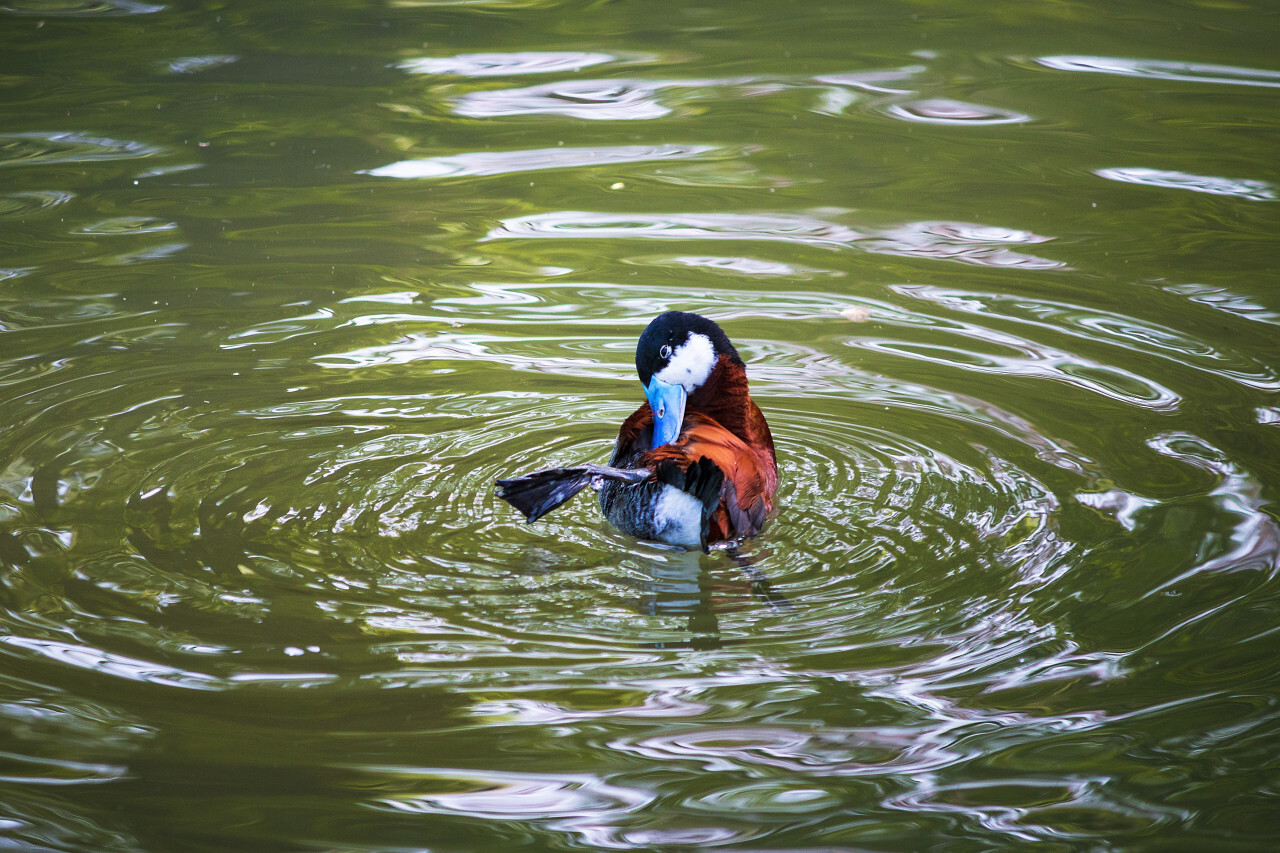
694, 465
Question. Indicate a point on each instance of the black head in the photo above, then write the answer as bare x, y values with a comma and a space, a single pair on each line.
682, 349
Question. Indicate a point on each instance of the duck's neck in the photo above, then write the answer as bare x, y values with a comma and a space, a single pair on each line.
725, 397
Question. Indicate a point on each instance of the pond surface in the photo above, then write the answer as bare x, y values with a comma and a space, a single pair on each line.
285, 286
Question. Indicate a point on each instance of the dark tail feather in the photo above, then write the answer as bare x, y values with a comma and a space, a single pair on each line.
538, 493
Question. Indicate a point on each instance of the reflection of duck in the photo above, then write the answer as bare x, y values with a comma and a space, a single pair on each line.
692, 467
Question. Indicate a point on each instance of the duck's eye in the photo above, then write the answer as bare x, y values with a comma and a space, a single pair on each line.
665, 351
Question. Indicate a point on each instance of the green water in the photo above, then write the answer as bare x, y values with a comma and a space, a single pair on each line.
285, 286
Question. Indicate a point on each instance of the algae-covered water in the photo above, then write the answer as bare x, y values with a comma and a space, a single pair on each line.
285, 286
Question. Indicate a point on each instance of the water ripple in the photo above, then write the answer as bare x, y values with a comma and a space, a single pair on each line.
1092, 324
37, 148
24, 204
1238, 187
752, 267
924, 574
873, 81
597, 100
506, 64
1192, 72
778, 799
127, 225
80, 8
1254, 541
1026, 357
1221, 299
947, 111
481, 163
965, 242
572, 224
109, 663
466, 347
31, 770
196, 64
1032, 810
952, 241
581, 805
658, 700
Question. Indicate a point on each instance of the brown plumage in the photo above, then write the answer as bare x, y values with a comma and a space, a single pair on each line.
714, 477
738, 442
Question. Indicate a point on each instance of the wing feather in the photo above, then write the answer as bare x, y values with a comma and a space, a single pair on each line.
745, 499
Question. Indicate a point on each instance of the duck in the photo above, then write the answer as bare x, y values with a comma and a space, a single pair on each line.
694, 465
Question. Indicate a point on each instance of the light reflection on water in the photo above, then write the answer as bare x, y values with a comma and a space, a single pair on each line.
1191, 72
954, 241
502, 163
504, 64
44, 148
1243, 188
256, 591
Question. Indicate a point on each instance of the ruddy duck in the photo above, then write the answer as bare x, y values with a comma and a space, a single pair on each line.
693, 466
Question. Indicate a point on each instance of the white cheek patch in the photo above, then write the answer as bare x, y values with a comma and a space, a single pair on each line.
690, 364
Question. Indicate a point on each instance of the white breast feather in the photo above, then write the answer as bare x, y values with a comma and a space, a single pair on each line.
677, 517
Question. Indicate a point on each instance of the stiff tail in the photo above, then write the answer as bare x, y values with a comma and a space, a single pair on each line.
538, 493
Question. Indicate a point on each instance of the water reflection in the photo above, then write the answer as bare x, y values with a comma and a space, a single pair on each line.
1221, 299
793, 228
37, 821
593, 812
80, 8
126, 225
196, 64
951, 241
109, 663
505, 64
152, 253
621, 99
961, 241
1092, 324
481, 163
38, 148
753, 267
452, 347
1025, 357
1238, 187
23, 204
779, 799
874, 81
1031, 810
1028, 534
1244, 535
597, 100
946, 111
1192, 72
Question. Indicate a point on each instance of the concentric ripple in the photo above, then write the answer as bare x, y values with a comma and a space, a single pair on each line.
286, 291
376, 505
